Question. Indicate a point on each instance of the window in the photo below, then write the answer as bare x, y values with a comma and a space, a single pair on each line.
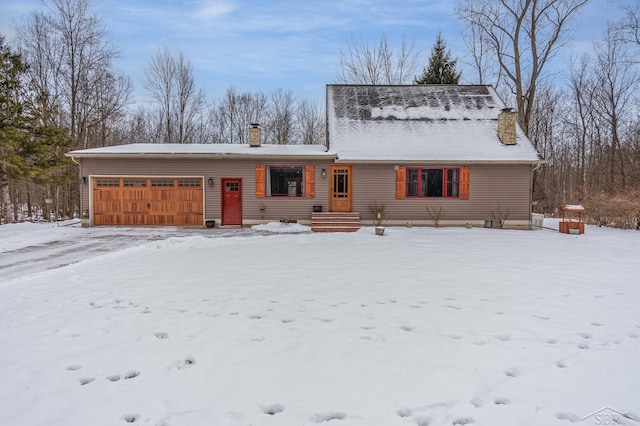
432, 182
135, 182
162, 182
285, 181
188, 182
108, 182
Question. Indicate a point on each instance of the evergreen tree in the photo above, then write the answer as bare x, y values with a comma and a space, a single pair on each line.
31, 147
441, 68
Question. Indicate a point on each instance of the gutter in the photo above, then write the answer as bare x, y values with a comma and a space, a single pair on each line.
189, 156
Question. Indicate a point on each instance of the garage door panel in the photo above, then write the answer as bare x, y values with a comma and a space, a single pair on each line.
148, 201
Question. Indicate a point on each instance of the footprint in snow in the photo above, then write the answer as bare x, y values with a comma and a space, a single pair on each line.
457, 308
561, 364
512, 372
404, 412
326, 417
585, 335
423, 421
326, 319
552, 341
568, 416
583, 346
286, 321
182, 364
272, 409
406, 328
480, 343
73, 367
113, 378
501, 401
633, 335
476, 402
255, 316
597, 324
503, 338
463, 421
130, 418
131, 374
86, 380
161, 335
541, 317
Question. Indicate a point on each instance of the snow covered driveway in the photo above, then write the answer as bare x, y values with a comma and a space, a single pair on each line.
421, 327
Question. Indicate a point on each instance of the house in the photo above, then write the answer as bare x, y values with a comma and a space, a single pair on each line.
414, 149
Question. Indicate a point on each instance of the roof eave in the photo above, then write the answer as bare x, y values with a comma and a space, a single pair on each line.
211, 156
436, 161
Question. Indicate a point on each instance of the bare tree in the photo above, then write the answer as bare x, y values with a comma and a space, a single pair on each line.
380, 64
170, 83
232, 115
523, 35
159, 82
280, 129
617, 81
480, 59
189, 102
71, 65
311, 123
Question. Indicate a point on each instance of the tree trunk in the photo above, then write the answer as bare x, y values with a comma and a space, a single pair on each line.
6, 196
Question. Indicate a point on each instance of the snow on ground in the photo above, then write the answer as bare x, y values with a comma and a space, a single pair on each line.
423, 326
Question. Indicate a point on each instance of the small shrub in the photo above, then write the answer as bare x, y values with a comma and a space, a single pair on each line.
501, 215
436, 214
379, 212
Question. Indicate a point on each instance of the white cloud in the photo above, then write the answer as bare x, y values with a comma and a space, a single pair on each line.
214, 9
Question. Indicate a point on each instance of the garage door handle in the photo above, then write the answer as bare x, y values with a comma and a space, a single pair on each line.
148, 205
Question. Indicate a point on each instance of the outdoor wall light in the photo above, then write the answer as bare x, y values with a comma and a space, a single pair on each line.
210, 181
324, 172
83, 180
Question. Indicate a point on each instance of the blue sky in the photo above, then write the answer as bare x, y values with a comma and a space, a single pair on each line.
289, 44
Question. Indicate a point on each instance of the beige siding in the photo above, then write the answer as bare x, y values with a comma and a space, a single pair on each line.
491, 187
275, 208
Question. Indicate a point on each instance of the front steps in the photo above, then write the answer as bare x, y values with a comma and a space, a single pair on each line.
335, 222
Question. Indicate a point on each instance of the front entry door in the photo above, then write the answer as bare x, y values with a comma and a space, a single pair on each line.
340, 188
231, 201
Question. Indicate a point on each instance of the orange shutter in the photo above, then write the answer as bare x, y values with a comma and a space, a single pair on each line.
309, 181
401, 182
260, 187
464, 183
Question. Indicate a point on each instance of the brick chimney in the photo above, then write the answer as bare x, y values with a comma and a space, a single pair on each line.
507, 126
254, 135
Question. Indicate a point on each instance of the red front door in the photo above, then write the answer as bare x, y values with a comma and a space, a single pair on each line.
231, 201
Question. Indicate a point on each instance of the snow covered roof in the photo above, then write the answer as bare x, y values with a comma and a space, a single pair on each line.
441, 123
173, 150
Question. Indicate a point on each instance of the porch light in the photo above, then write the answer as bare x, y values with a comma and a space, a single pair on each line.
83, 180
210, 181
324, 172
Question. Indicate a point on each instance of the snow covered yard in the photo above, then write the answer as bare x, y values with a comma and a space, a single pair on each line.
420, 327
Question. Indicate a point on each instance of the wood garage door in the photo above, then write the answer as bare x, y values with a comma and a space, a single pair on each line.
147, 201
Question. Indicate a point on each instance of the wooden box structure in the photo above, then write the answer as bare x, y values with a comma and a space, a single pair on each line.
572, 220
